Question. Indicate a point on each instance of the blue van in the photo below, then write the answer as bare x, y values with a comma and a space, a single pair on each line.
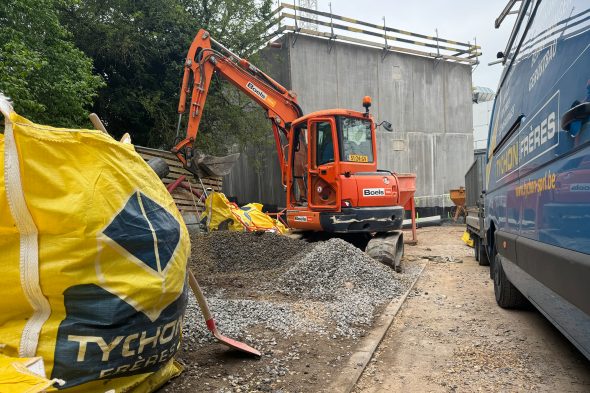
537, 175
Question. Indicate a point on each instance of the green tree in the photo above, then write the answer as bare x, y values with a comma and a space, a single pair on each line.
139, 49
48, 78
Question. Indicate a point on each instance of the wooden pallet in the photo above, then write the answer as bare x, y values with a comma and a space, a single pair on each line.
184, 199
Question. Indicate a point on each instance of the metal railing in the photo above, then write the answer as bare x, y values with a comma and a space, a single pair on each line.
288, 18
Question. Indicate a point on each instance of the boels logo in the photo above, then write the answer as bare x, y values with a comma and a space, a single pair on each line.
261, 94
373, 192
130, 322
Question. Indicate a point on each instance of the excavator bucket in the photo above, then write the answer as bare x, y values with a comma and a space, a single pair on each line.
213, 165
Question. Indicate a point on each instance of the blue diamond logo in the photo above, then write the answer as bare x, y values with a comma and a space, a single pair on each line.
146, 230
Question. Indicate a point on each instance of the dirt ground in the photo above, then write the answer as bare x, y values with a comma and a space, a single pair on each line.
450, 336
294, 361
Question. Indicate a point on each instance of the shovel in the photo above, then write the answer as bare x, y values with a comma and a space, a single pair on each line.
159, 166
211, 322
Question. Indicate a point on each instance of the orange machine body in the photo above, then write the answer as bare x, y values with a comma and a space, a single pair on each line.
328, 158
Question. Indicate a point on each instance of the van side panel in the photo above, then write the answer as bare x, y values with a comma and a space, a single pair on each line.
538, 172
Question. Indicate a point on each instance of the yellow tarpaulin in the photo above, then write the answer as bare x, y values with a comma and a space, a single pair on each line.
221, 214
94, 255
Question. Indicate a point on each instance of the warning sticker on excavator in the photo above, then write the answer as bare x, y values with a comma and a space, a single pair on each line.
261, 94
358, 158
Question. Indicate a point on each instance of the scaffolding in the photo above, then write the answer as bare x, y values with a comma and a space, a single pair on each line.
332, 27
312, 5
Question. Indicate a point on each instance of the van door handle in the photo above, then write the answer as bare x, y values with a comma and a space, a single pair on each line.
578, 114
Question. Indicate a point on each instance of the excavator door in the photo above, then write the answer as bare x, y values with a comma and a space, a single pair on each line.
323, 190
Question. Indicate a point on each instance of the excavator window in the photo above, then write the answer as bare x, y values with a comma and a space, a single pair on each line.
299, 184
356, 139
324, 143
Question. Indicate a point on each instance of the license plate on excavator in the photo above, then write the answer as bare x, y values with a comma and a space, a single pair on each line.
358, 158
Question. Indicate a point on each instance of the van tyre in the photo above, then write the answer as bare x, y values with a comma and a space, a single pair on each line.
482, 254
476, 247
507, 296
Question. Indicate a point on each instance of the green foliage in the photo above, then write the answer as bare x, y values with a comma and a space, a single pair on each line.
49, 79
139, 48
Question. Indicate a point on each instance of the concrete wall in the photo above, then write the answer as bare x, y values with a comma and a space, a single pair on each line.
427, 101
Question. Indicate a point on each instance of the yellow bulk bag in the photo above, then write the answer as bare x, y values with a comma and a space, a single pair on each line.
93, 256
220, 214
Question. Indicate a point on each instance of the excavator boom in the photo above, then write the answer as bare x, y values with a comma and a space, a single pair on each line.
206, 56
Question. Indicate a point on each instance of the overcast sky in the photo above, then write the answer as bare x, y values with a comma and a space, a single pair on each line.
459, 20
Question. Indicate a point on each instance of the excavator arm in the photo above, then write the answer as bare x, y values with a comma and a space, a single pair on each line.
201, 62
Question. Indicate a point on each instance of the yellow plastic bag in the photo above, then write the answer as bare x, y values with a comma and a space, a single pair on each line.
221, 214
94, 255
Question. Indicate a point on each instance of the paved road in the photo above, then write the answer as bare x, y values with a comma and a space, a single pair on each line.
450, 335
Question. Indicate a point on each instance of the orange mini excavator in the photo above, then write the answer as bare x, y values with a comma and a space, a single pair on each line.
328, 158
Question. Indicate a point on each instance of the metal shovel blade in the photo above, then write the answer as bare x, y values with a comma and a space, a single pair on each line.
211, 322
240, 346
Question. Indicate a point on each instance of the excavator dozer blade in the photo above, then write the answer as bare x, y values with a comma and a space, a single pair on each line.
215, 166
387, 248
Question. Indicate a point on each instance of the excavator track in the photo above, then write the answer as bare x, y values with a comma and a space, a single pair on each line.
387, 248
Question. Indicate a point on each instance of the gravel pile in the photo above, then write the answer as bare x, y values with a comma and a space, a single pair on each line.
225, 251
329, 287
235, 316
351, 282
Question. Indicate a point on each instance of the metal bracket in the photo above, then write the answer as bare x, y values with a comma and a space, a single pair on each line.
474, 66
297, 28
332, 38
438, 56
385, 51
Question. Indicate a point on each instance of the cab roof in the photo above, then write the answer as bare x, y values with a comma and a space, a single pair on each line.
332, 112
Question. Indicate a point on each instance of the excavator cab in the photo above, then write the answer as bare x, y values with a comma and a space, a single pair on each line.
332, 179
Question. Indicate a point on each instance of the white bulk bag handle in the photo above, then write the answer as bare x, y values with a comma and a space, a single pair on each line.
6, 107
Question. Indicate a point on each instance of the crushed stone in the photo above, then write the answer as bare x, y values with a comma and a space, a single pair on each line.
234, 316
352, 283
227, 251
328, 287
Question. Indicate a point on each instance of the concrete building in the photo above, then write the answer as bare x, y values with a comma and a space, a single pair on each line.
428, 101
